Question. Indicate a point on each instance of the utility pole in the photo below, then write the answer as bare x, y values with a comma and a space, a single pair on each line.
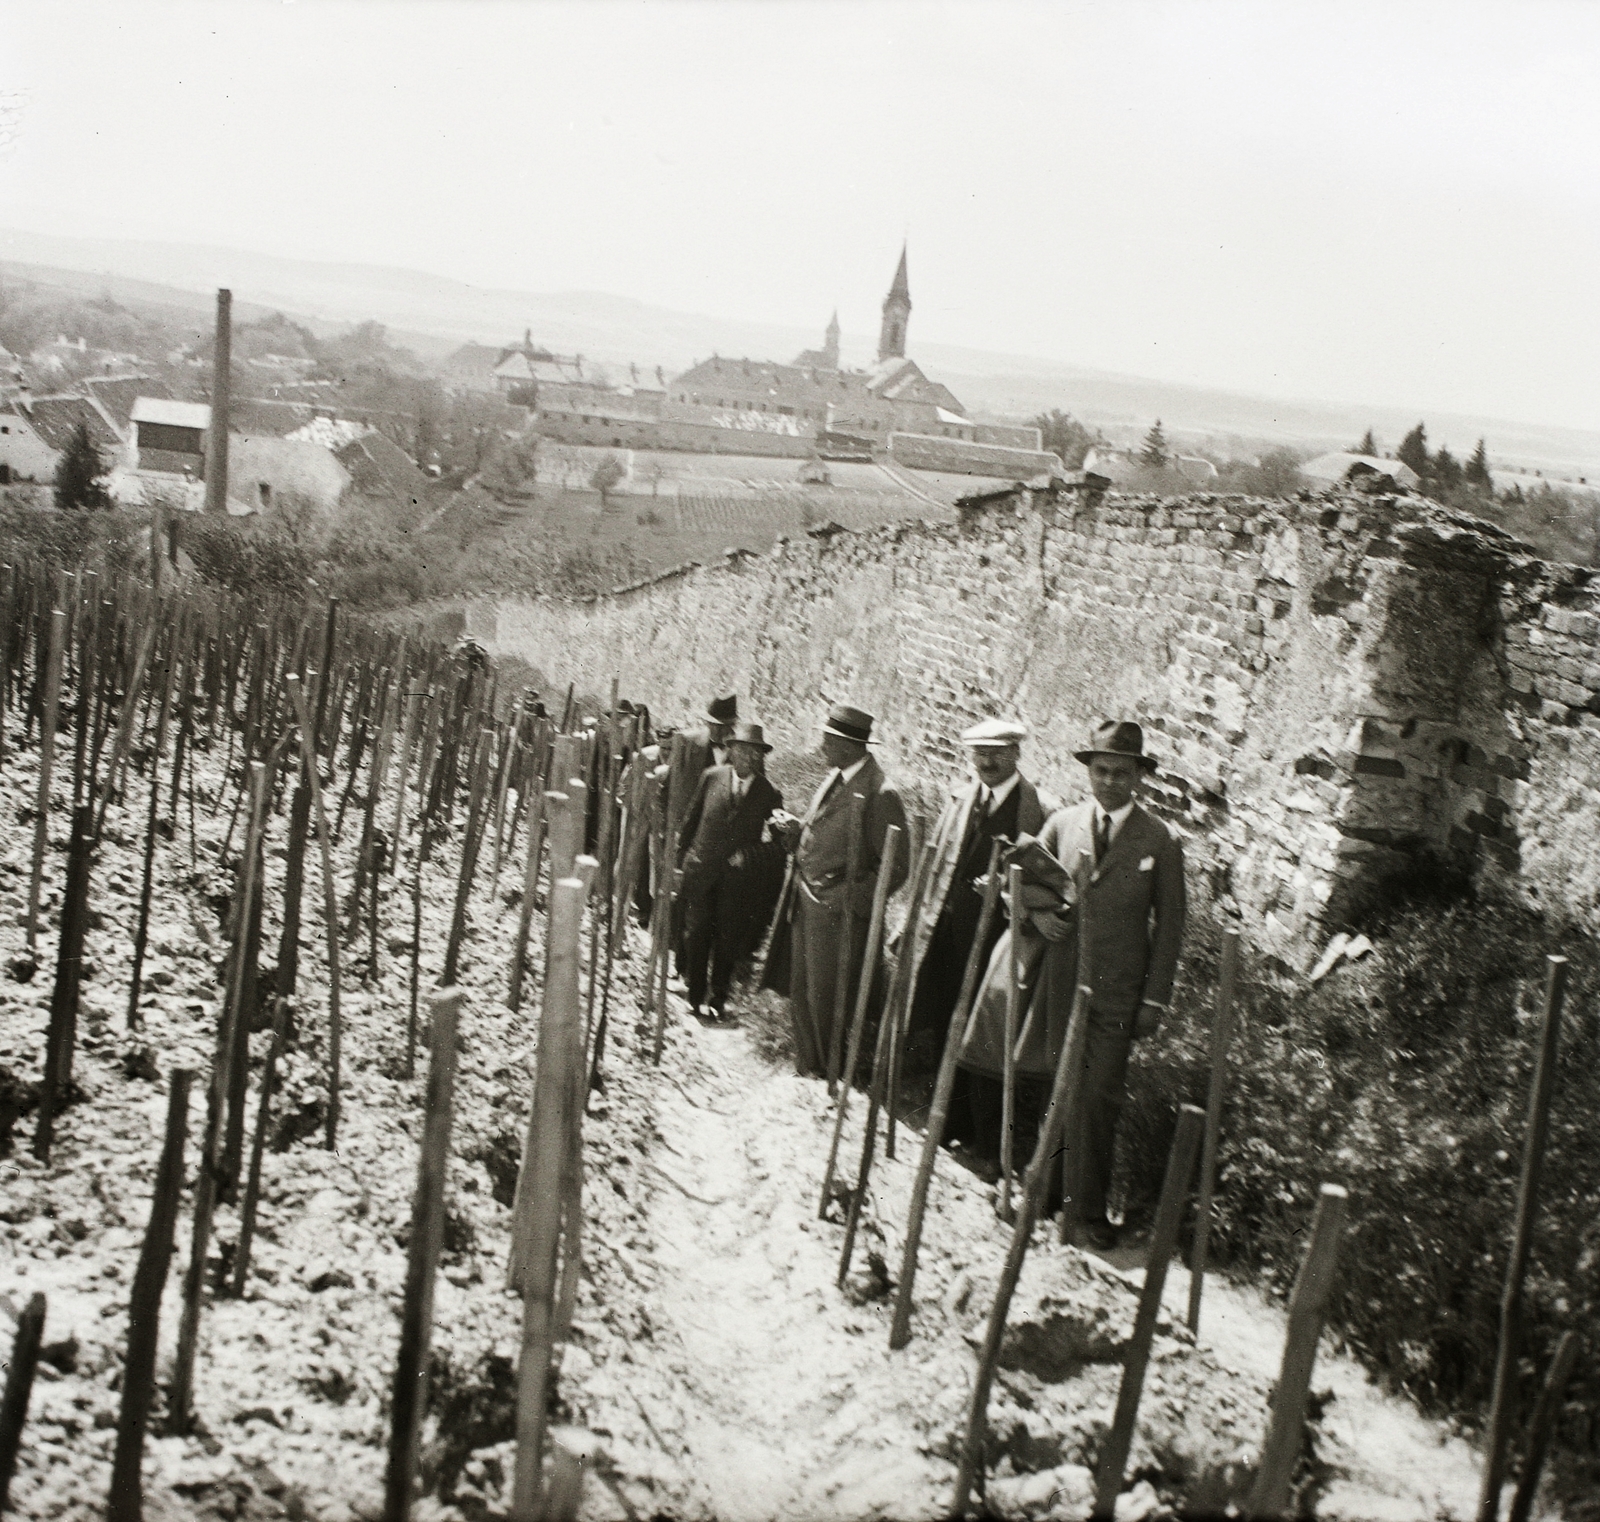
217, 444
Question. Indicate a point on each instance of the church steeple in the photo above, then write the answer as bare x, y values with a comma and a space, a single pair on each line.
830, 342
896, 314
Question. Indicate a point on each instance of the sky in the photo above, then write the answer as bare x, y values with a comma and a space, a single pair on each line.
1392, 203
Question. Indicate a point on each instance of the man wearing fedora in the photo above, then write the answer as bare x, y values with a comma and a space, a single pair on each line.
1120, 938
831, 904
720, 853
699, 748
997, 802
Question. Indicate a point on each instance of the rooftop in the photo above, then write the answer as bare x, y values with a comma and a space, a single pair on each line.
157, 409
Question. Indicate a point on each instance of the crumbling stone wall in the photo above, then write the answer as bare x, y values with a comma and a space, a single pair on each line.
1336, 689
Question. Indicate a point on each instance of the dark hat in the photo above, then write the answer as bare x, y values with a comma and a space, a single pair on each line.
749, 734
1117, 737
723, 710
849, 724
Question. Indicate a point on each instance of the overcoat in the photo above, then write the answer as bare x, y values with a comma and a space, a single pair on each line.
723, 836
1127, 925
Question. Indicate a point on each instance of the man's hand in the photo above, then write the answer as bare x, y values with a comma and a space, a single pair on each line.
1053, 924
1148, 1020
786, 827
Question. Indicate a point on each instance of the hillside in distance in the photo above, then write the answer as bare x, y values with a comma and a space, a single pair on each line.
433, 314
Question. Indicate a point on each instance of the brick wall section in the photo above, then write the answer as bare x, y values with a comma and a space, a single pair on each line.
1334, 687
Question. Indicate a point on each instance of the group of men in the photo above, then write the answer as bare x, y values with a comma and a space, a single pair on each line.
1101, 907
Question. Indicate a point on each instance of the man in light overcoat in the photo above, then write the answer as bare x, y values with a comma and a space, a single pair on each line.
836, 848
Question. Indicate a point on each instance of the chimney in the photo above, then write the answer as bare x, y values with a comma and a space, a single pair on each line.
217, 444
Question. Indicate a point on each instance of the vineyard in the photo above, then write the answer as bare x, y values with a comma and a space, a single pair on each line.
361, 1162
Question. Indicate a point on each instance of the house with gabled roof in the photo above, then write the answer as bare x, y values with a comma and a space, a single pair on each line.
35, 432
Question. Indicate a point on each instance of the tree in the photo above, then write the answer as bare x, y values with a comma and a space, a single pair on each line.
1413, 450
1476, 475
80, 474
1367, 446
607, 474
1156, 452
1065, 437
513, 468
1446, 471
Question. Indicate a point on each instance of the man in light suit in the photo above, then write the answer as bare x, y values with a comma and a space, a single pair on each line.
997, 803
1121, 939
829, 903
721, 856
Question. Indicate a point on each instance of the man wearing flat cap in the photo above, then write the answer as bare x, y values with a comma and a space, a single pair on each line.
836, 848
997, 802
1120, 937
721, 853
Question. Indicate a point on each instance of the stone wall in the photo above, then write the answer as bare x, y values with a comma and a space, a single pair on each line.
1336, 688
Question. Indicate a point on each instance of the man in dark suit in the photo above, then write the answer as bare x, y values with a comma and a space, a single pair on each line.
720, 855
696, 749
1121, 938
837, 848
998, 802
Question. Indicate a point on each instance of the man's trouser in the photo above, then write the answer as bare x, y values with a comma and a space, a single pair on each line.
713, 936
1092, 1150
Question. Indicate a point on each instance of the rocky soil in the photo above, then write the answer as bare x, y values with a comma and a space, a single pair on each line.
714, 1369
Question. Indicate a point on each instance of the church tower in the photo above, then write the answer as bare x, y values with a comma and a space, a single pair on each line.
896, 314
830, 343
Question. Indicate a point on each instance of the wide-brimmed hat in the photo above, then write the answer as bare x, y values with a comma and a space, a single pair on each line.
994, 734
723, 710
849, 724
1117, 737
749, 734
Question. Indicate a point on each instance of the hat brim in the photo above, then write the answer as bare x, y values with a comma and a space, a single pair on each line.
991, 744
753, 744
828, 729
1146, 763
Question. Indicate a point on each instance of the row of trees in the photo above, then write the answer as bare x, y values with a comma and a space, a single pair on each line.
1439, 468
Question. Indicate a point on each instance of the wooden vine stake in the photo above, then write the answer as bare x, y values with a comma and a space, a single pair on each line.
1286, 1428
125, 1501
422, 1261
1543, 1424
1008, 1077
330, 906
1221, 1040
1063, 1103
1136, 1358
19, 1385
900, 1330
869, 961
541, 1185
47, 755
1505, 1366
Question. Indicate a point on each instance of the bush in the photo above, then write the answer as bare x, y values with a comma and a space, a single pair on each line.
1404, 1077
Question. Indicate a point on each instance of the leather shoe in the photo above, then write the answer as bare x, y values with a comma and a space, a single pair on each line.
1100, 1235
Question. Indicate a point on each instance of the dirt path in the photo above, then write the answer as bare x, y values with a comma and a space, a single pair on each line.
788, 1404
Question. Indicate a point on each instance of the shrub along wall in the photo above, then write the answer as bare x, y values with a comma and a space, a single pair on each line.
1369, 714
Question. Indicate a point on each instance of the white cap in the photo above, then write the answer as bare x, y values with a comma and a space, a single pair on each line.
995, 732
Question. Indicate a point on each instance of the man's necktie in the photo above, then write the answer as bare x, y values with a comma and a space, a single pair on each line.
1102, 836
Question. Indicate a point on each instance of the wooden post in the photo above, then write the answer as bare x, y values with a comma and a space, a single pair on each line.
1505, 1365
422, 1258
47, 754
880, 897
330, 907
882, 1063
1281, 1450
471, 842
841, 988
1136, 1358
1063, 1103
62, 1041
530, 889
900, 1331
1008, 1074
258, 1146
124, 1502
142, 929
1543, 1424
1221, 1040
208, 1176
908, 978
216, 464
19, 1385
536, 1220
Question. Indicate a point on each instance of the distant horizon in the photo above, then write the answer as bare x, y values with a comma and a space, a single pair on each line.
782, 333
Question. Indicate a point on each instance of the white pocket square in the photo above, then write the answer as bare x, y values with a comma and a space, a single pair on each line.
1148, 864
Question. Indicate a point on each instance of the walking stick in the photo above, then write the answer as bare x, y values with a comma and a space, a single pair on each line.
900, 1331
880, 895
